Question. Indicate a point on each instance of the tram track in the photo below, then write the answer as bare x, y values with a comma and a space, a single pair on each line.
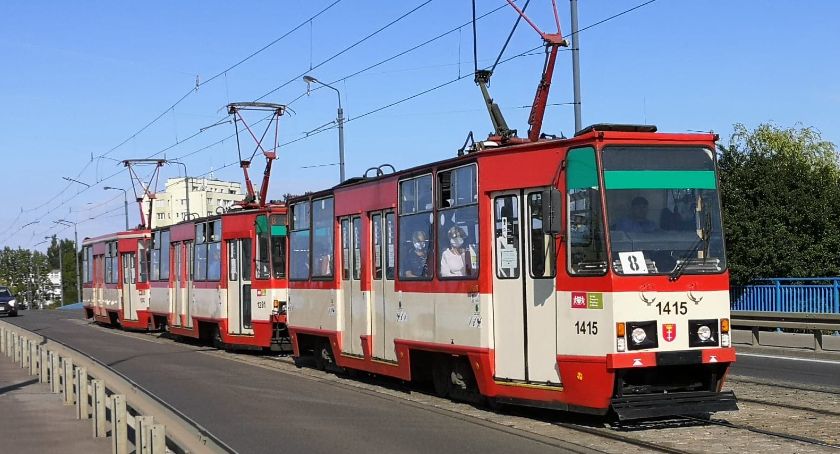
615, 436
785, 385
782, 435
790, 406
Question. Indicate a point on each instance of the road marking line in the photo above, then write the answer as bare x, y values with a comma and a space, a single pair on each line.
756, 355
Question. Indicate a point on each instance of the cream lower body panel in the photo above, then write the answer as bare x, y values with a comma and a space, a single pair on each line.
435, 318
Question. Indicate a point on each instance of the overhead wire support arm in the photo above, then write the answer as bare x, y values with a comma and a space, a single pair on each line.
553, 41
277, 110
148, 189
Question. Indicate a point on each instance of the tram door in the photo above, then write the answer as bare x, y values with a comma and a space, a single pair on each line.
98, 282
354, 304
129, 260
382, 284
524, 301
178, 255
189, 251
239, 286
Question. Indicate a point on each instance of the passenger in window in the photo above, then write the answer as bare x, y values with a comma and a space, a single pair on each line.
323, 266
417, 259
454, 261
637, 222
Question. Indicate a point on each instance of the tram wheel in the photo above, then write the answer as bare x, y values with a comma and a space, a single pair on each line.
217, 339
442, 377
324, 357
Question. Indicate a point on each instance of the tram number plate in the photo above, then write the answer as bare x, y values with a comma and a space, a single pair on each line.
260, 304
676, 307
586, 328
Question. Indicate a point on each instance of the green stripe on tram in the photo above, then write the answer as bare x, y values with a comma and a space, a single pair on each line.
659, 179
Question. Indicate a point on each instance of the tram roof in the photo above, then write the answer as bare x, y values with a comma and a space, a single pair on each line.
594, 133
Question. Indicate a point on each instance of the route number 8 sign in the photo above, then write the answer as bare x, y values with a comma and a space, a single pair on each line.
633, 262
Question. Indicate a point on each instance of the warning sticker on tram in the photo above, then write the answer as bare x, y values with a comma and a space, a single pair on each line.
583, 300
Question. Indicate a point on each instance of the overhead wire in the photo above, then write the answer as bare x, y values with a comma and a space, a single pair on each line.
182, 98
392, 104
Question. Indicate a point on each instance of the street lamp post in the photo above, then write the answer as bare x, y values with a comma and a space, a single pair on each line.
75, 256
125, 198
186, 186
35, 275
60, 270
311, 80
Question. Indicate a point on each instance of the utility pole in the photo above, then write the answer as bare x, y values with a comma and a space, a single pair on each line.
60, 269
186, 187
75, 256
125, 202
35, 280
340, 119
576, 64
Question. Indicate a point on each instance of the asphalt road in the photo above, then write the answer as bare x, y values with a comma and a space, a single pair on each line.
258, 410
804, 371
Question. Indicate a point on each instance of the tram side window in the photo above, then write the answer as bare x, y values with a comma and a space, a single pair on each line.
214, 250
278, 245
389, 246
299, 243
542, 245
164, 255
86, 265
200, 253
507, 236
143, 257
586, 245
458, 223
415, 233
376, 225
322, 238
345, 249
111, 263
357, 248
155, 257
263, 245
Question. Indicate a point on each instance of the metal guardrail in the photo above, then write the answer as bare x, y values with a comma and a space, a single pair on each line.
814, 295
110, 399
813, 328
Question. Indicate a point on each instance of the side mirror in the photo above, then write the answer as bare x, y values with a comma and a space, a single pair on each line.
552, 208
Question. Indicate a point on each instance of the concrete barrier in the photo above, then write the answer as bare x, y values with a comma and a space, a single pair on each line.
138, 421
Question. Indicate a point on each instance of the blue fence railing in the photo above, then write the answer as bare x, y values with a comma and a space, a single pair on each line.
812, 295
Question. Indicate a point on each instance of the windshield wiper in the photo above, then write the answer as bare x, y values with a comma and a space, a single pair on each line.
681, 263
705, 233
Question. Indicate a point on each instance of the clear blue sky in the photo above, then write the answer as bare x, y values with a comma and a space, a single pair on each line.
78, 78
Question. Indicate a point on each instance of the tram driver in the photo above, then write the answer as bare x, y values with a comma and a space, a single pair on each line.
637, 221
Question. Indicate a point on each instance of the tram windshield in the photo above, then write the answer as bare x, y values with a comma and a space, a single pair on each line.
663, 210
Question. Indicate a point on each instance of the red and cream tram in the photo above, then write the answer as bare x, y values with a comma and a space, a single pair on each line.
220, 278
585, 274
116, 280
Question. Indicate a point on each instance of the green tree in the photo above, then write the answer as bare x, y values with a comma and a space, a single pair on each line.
24, 272
780, 191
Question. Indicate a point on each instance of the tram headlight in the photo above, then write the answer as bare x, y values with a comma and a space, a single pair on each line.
704, 333
638, 335
724, 340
